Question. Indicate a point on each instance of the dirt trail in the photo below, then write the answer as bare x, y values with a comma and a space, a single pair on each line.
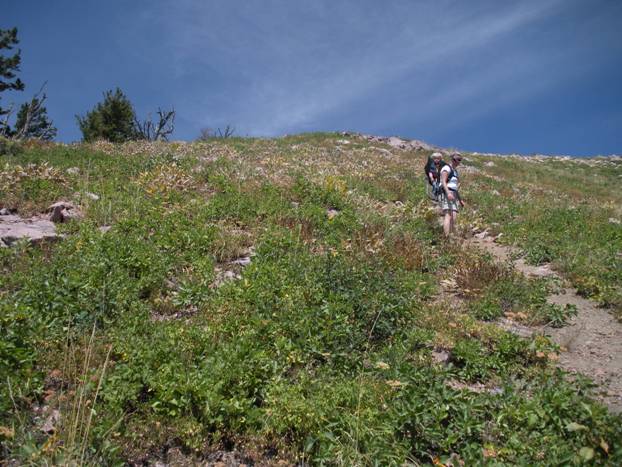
592, 341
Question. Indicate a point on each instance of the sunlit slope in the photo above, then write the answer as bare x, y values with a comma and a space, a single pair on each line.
293, 300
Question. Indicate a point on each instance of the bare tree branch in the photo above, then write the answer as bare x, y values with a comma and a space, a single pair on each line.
208, 133
159, 131
32, 109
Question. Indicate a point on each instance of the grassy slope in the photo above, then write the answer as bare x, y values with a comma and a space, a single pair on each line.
322, 351
562, 211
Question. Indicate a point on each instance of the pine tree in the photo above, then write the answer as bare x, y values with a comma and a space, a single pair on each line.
32, 121
8, 66
112, 120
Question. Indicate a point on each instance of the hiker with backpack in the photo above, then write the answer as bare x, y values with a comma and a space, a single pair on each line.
450, 200
433, 174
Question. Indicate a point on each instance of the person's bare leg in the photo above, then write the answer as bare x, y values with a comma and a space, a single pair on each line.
454, 216
447, 223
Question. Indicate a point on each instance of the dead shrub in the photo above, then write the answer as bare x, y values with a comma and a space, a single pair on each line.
368, 239
303, 227
404, 250
231, 243
165, 179
473, 272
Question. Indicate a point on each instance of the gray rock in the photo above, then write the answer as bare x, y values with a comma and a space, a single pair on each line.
14, 228
244, 261
396, 142
515, 328
51, 421
440, 356
224, 276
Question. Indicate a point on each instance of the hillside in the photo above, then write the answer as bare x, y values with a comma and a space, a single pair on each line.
293, 301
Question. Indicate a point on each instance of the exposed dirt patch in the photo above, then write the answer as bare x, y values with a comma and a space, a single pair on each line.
592, 341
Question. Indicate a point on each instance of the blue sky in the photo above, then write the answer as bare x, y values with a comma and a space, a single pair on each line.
502, 76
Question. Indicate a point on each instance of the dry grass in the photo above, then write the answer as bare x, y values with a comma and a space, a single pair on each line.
303, 227
71, 398
231, 242
473, 272
406, 251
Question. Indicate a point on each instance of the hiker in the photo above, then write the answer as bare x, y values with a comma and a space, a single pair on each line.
432, 174
450, 197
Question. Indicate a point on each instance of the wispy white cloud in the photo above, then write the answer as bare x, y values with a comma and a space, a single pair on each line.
416, 49
279, 66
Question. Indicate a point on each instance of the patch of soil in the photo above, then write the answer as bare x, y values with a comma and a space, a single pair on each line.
591, 343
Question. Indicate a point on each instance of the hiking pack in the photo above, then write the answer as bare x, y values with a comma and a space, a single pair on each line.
436, 187
429, 166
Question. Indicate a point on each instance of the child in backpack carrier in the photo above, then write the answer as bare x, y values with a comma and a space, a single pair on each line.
433, 174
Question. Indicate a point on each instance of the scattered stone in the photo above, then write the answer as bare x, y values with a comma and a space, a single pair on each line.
170, 284
73, 170
489, 164
229, 459
449, 284
515, 328
185, 313
482, 235
342, 141
535, 271
396, 142
51, 421
613, 220
243, 261
399, 143
332, 213
384, 151
231, 275
224, 276
105, 228
4, 212
63, 211
92, 196
440, 356
475, 387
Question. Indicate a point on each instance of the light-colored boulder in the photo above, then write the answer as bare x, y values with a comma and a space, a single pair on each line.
36, 229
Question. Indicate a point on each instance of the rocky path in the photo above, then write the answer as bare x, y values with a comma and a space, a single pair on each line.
592, 341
